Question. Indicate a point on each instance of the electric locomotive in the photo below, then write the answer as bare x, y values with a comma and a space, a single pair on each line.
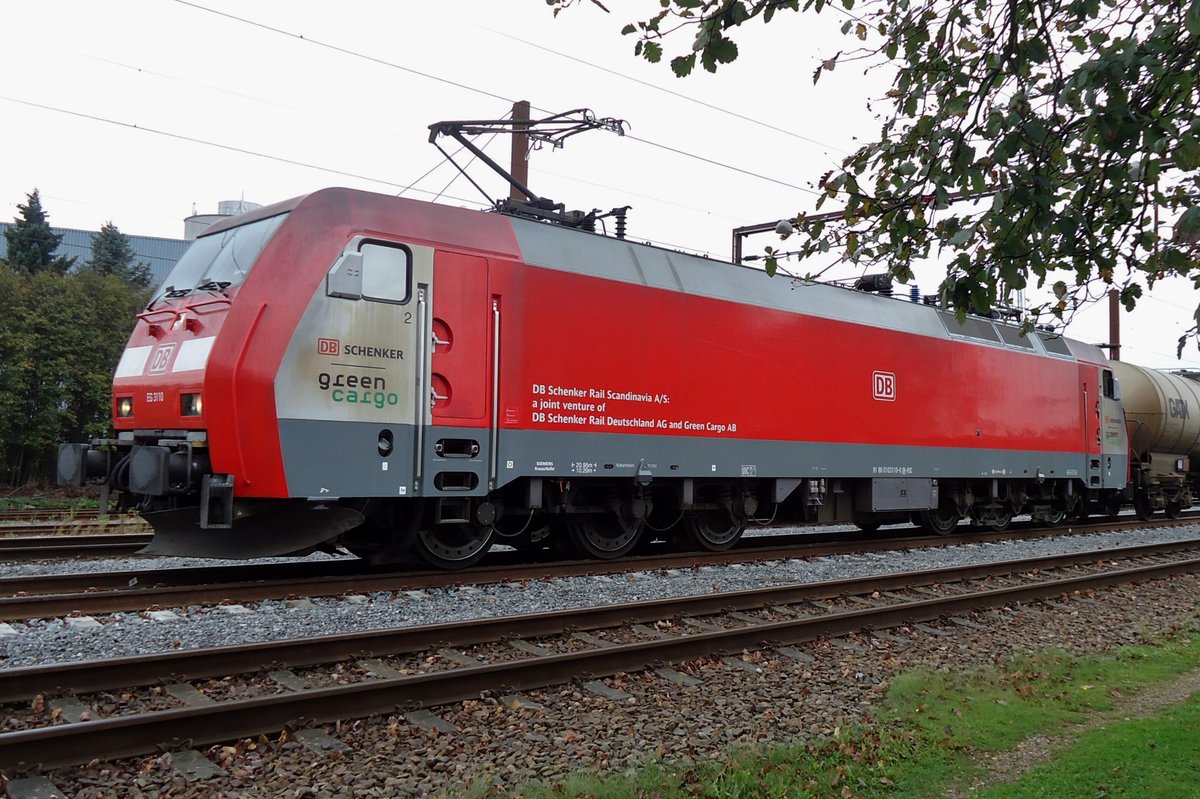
399, 377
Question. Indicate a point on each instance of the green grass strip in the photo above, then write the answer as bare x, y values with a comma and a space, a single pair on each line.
1152, 758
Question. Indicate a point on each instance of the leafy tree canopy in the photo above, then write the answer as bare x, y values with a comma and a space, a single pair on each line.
112, 255
1070, 127
56, 378
31, 243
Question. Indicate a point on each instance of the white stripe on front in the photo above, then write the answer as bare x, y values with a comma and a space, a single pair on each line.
193, 354
133, 361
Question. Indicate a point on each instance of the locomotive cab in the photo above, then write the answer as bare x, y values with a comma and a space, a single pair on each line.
165, 396
282, 387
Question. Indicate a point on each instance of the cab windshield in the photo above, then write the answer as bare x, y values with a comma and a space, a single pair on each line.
218, 261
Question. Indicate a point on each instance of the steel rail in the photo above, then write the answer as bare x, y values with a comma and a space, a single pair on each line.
24, 682
29, 542
67, 529
25, 514
47, 596
287, 575
509, 568
126, 736
43, 547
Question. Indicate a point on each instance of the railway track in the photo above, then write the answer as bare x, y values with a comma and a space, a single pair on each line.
47, 514
62, 547
33, 542
68, 529
46, 596
443, 664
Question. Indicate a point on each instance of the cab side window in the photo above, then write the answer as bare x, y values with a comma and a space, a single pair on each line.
1108, 384
374, 271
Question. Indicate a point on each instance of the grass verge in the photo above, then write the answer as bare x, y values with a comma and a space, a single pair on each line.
933, 727
1150, 758
32, 499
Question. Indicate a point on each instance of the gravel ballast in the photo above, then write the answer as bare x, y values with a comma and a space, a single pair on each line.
37, 642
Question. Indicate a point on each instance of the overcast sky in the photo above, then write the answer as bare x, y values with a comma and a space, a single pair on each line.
143, 112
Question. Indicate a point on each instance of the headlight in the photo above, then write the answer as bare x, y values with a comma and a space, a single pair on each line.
124, 407
190, 405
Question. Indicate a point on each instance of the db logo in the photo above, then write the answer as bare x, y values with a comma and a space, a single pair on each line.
884, 386
328, 346
161, 358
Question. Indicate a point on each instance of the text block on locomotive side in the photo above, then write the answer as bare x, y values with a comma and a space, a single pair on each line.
884, 386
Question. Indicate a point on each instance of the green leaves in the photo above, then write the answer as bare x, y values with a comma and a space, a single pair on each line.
1192, 20
682, 66
719, 51
56, 380
1130, 295
1187, 228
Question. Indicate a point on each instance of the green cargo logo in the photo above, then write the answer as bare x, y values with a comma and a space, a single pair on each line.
358, 389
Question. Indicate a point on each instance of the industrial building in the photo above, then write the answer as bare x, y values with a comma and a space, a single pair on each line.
157, 253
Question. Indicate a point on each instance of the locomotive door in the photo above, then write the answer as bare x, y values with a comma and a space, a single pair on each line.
1091, 424
1104, 442
460, 451
348, 392
1114, 444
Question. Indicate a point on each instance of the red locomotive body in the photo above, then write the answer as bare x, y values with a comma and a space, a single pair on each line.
399, 376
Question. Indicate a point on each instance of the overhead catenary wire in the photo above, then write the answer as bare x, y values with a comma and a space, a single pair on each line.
293, 162
629, 193
466, 87
343, 50
341, 119
227, 147
266, 101
252, 153
357, 123
723, 165
664, 90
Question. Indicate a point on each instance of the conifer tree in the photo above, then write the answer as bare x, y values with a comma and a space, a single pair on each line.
31, 242
112, 255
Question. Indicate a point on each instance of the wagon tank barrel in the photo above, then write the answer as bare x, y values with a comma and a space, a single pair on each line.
1162, 409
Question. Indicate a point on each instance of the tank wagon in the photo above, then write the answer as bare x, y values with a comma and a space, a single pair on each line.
1164, 438
401, 377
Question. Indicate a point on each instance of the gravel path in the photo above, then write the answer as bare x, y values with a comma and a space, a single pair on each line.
54, 640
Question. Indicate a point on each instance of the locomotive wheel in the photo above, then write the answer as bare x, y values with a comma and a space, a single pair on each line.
603, 537
713, 530
1003, 521
1141, 505
941, 521
1112, 508
453, 546
1055, 519
1174, 509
